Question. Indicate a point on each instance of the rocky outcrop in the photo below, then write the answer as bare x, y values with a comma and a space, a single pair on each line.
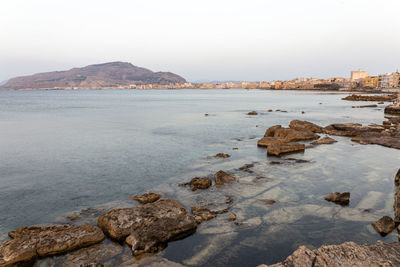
267, 141
326, 140
378, 98
271, 130
339, 198
146, 197
393, 109
148, 228
278, 149
33, 241
351, 129
305, 126
222, 177
384, 225
291, 135
200, 183
378, 139
346, 254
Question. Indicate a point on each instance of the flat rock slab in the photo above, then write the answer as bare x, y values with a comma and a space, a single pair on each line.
324, 141
149, 227
346, 254
267, 141
146, 198
384, 225
279, 149
351, 129
291, 135
305, 126
33, 241
377, 98
383, 140
393, 109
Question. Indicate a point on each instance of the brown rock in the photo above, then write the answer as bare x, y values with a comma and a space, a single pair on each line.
339, 198
291, 135
222, 177
231, 217
384, 225
267, 141
325, 140
385, 98
365, 106
396, 205
346, 254
146, 197
268, 201
271, 130
222, 155
33, 241
200, 183
279, 149
392, 109
205, 213
252, 113
246, 166
378, 139
397, 178
386, 123
351, 129
305, 126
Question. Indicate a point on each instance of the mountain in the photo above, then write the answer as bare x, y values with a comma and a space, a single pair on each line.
111, 74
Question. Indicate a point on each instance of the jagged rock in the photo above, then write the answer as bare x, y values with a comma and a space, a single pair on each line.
200, 183
222, 177
278, 149
339, 198
291, 135
346, 254
384, 225
205, 213
231, 217
383, 98
33, 241
267, 141
305, 126
222, 155
246, 166
149, 227
397, 178
252, 113
146, 197
271, 130
325, 140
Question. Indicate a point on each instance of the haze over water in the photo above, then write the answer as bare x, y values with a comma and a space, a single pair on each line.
69, 150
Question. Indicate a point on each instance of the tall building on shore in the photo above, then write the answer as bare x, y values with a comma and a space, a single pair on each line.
358, 74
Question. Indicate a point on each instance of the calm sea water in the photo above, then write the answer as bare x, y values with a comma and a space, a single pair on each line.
62, 151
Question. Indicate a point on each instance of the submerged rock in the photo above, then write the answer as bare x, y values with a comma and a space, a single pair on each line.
246, 167
383, 98
339, 198
305, 126
204, 213
268, 201
231, 217
252, 113
384, 225
278, 149
325, 140
33, 241
149, 227
146, 198
200, 183
222, 177
222, 155
346, 254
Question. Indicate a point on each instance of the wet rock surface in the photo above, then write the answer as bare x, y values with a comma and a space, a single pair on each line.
146, 197
278, 149
148, 228
392, 109
384, 225
346, 254
252, 113
222, 155
305, 126
200, 183
324, 141
378, 98
33, 241
222, 177
339, 198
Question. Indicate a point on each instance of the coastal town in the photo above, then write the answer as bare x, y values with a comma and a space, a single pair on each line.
359, 80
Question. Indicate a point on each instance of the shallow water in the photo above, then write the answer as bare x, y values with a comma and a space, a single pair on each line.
63, 151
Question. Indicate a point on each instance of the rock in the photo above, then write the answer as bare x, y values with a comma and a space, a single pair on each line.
34, 241
346, 254
235, 148
150, 261
278, 149
73, 217
222, 177
267, 141
246, 166
206, 115
146, 197
271, 130
200, 183
222, 155
270, 110
325, 140
291, 135
378, 139
383, 98
396, 205
149, 227
388, 123
384, 225
252, 113
231, 217
365, 106
351, 129
397, 178
205, 213
339, 198
305, 126
268, 201
392, 109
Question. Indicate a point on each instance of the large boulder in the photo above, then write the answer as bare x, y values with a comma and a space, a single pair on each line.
200, 183
222, 177
33, 241
305, 126
384, 225
346, 254
149, 227
278, 149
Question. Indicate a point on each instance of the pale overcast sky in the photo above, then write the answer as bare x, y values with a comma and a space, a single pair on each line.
207, 39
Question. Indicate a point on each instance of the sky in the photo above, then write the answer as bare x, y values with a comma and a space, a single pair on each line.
203, 40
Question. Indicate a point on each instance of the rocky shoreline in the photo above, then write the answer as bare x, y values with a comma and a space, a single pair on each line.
148, 227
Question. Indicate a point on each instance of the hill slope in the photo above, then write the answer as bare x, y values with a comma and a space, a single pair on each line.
111, 74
